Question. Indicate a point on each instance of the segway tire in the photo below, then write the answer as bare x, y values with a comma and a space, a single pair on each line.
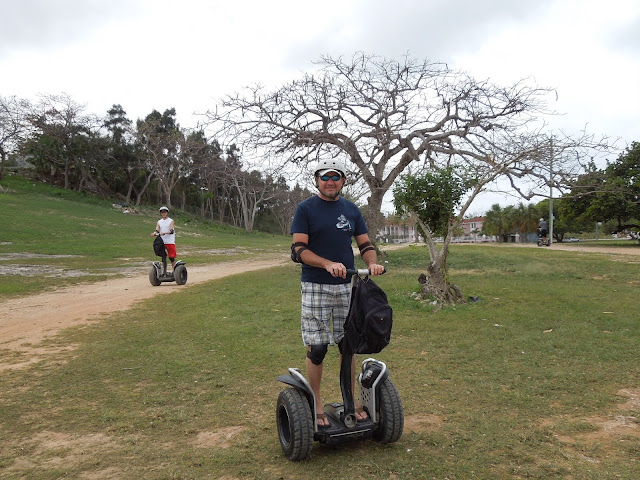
295, 424
153, 277
391, 414
180, 274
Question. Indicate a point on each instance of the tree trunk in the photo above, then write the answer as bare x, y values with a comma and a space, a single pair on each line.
129, 192
139, 194
3, 155
434, 284
374, 217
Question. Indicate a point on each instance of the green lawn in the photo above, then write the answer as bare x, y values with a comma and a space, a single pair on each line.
539, 379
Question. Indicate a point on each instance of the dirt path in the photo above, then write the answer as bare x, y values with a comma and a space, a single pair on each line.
25, 322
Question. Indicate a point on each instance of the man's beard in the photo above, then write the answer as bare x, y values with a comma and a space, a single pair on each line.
332, 196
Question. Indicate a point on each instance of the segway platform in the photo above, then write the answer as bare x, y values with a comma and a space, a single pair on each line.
335, 433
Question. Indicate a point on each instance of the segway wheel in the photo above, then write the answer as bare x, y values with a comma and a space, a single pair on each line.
180, 274
153, 277
295, 424
391, 413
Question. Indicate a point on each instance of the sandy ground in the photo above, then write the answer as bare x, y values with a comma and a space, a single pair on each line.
25, 322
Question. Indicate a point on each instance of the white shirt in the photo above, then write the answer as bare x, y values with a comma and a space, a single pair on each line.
165, 227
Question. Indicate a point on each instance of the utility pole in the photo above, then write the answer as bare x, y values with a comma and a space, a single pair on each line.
551, 194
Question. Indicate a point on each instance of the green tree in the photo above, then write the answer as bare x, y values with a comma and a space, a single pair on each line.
496, 222
524, 219
609, 194
563, 224
129, 175
433, 198
159, 136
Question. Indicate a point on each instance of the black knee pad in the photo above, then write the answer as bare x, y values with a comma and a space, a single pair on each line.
316, 353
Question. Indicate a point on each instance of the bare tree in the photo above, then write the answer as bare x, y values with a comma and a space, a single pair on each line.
383, 115
387, 117
62, 137
284, 203
252, 188
13, 126
160, 138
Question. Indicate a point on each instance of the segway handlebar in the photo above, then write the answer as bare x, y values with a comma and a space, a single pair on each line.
362, 271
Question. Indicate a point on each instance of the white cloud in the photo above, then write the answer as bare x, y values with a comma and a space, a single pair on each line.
158, 54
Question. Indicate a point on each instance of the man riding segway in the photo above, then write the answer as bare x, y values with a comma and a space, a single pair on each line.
542, 234
322, 230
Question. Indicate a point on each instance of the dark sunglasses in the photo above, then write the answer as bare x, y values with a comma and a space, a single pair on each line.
326, 178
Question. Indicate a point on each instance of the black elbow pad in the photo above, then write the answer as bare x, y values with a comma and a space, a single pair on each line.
295, 254
365, 247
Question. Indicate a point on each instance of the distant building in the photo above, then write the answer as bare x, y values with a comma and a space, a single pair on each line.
472, 225
398, 230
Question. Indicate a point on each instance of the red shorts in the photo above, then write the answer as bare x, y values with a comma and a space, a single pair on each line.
171, 250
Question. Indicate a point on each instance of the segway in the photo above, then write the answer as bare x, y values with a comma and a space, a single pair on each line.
544, 242
158, 273
296, 418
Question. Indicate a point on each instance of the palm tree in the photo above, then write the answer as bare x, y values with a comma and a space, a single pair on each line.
495, 222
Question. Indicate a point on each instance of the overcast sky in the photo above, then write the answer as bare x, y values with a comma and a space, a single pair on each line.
158, 54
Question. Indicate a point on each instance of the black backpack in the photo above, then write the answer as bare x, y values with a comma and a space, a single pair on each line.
370, 318
158, 247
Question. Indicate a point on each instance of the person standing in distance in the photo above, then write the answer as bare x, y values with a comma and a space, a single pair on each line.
322, 230
166, 228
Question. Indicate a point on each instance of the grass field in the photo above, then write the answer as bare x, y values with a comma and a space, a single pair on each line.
539, 379
54, 237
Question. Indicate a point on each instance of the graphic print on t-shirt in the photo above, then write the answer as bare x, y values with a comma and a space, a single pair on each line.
344, 224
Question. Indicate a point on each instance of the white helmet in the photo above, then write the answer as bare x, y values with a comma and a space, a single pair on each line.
163, 208
333, 165
542, 219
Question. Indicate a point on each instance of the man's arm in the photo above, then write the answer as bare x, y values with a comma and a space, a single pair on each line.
336, 269
368, 254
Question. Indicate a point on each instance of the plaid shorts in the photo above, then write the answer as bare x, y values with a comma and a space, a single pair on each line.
322, 306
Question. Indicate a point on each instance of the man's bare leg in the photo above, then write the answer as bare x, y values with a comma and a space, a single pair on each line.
314, 373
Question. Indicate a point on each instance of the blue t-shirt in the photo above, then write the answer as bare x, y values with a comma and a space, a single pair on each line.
330, 226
